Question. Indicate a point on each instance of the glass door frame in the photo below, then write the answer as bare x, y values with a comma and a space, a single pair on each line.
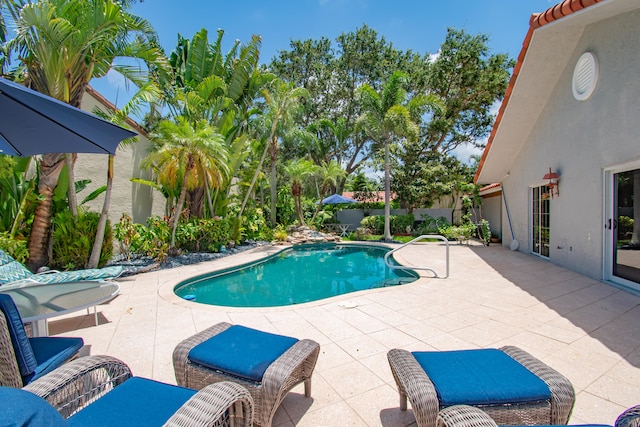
541, 189
609, 211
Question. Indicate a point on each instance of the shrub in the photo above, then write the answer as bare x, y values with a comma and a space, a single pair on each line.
137, 239
431, 225
208, 235
73, 238
255, 226
13, 247
375, 223
399, 223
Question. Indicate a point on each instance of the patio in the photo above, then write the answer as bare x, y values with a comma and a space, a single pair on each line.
587, 330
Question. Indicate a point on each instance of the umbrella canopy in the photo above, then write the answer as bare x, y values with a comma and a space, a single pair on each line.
33, 123
336, 199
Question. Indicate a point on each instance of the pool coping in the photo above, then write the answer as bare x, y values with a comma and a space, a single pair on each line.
165, 289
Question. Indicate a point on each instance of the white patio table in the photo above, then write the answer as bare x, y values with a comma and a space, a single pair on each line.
39, 302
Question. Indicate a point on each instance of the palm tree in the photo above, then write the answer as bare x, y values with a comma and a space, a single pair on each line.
62, 45
386, 119
187, 156
297, 170
282, 101
147, 94
205, 83
331, 172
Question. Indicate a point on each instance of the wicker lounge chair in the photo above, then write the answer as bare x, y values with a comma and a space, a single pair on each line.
12, 273
470, 416
23, 359
100, 390
414, 384
292, 367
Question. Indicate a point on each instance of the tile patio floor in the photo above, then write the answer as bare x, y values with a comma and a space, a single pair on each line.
587, 330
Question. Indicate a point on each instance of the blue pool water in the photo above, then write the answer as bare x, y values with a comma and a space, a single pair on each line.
296, 275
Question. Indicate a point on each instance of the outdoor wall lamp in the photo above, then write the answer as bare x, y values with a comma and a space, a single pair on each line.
552, 177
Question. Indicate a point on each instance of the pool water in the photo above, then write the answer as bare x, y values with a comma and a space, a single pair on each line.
296, 275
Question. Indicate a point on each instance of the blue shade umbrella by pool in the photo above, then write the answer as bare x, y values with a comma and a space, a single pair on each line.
32, 123
337, 199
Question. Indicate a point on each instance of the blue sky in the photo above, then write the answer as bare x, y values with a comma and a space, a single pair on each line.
419, 25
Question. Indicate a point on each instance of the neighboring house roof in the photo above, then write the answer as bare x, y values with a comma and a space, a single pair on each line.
108, 104
546, 51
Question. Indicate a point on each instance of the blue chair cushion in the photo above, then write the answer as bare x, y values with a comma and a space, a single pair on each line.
480, 377
22, 408
25, 357
241, 352
50, 353
136, 402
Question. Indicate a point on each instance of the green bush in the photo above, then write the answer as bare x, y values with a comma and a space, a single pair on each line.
255, 227
203, 235
431, 225
399, 223
137, 239
375, 223
73, 238
15, 248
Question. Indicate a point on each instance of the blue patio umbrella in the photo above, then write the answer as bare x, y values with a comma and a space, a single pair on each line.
337, 199
33, 123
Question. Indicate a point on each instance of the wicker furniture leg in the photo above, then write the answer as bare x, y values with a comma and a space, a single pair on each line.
413, 383
295, 366
563, 396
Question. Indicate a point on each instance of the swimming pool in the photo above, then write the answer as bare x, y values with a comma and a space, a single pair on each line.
296, 275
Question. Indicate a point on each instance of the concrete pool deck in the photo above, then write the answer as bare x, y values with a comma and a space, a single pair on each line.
587, 330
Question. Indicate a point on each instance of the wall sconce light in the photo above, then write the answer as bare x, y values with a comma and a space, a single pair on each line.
552, 177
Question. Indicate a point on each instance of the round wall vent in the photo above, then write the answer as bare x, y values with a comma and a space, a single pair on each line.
585, 76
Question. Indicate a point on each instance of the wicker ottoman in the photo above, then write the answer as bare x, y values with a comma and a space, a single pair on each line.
291, 368
414, 384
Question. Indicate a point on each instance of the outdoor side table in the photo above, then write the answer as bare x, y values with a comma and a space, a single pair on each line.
39, 302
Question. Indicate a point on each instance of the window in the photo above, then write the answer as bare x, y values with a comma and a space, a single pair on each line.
541, 220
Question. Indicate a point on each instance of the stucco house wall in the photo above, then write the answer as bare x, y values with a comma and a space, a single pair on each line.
579, 140
137, 200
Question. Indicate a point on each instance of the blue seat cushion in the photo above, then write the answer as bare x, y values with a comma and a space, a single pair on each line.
136, 402
22, 408
21, 346
50, 353
241, 352
480, 377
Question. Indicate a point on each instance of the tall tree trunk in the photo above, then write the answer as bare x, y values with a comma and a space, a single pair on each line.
178, 210
195, 202
70, 160
273, 179
96, 251
253, 181
387, 194
50, 167
273, 182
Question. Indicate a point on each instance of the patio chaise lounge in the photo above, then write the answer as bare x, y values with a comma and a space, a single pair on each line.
12, 272
470, 416
268, 365
509, 384
23, 359
100, 391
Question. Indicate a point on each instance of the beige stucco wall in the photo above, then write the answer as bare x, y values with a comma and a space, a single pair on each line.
139, 201
579, 140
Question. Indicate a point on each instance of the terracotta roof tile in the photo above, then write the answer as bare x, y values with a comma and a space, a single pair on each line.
536, 21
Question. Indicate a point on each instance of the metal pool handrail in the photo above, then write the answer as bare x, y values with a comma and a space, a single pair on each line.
424, 236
